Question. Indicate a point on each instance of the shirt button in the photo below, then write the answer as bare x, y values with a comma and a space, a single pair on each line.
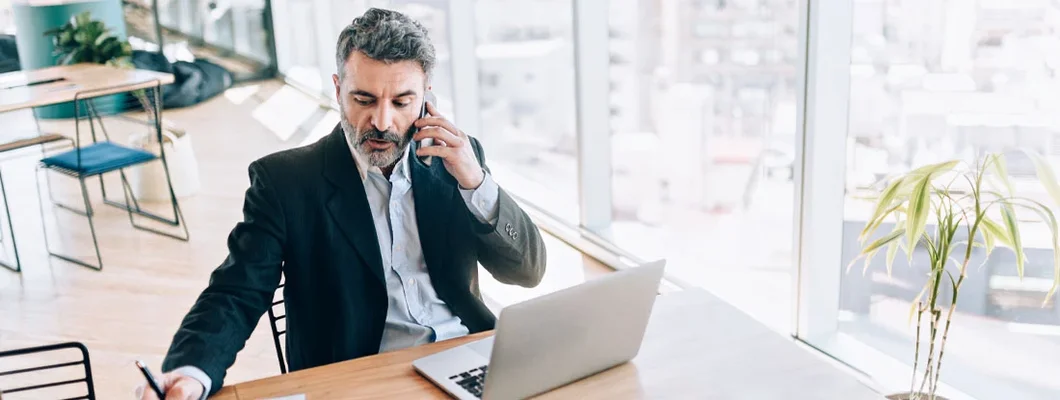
412, 282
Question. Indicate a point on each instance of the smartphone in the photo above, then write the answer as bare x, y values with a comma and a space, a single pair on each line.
427, 97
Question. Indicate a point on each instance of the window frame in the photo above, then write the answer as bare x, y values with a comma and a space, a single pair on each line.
823, 101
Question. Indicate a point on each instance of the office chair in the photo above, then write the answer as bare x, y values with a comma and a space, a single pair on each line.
87, 379
276, 331
40, 140
101, 157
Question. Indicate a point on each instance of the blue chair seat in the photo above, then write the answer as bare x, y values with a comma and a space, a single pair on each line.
98, 158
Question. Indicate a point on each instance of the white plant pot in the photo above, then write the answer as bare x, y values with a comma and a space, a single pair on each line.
148, 181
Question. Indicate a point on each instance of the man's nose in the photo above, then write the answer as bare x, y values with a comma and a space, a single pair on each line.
383, 118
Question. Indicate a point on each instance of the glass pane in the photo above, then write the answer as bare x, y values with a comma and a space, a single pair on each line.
236, 26
703, 127
938, 80
7, 18
300, 53
526, 82
321, 21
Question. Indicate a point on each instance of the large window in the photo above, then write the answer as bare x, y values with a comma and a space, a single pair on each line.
731, 154
931, 81
525, 60
522, 59
307, 30
703, 122
237, 26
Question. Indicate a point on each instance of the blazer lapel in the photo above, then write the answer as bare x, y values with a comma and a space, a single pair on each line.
349, 204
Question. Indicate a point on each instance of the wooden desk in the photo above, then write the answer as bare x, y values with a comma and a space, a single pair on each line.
696, 346
99, 79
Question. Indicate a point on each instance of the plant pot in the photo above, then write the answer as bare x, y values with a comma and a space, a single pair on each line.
148, 181
910, 396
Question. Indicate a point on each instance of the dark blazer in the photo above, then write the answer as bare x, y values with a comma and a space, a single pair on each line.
306, 216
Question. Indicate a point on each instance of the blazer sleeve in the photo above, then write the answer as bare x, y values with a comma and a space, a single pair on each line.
511, 249
240, 289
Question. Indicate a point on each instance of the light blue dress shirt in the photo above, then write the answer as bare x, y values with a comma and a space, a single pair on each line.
415, 315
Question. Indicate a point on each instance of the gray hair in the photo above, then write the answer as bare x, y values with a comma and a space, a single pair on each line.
387, 36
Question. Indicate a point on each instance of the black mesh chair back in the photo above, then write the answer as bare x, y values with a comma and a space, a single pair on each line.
21, 380
276, 318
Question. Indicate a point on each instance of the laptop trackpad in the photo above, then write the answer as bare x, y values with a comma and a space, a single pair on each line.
483, 347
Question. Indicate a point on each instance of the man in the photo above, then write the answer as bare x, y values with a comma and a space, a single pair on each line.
379, 249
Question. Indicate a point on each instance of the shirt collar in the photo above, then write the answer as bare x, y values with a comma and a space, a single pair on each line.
364, 168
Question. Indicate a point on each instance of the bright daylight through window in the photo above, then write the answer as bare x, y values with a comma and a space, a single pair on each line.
702, 135
932, 81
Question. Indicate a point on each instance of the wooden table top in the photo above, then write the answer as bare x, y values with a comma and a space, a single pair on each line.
696, 345
78, 78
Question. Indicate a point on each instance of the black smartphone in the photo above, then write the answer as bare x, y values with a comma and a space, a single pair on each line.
427, 97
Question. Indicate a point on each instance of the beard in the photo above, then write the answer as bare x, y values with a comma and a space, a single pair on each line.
375, 157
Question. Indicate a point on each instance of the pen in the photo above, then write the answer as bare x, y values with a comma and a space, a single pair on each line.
151, 381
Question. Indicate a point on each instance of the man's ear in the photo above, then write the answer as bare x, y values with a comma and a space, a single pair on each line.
338, 88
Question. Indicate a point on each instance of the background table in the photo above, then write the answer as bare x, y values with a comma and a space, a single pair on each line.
100, 79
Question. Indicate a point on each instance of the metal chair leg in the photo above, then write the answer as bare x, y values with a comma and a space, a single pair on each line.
91, 227
87, 212
11, 227
125, 206
135, 208
127, 190
134, 205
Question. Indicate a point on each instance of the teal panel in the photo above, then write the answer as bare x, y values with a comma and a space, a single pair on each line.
35, 51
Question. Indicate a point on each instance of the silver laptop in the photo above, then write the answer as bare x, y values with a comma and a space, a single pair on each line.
550, 341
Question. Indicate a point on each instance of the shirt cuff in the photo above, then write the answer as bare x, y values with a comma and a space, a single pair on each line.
482, 201
199, 375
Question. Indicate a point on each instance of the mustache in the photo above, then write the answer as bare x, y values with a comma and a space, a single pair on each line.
375, 134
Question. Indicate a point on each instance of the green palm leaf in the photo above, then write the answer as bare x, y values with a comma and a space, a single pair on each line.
919, 207
883, 207
1046, 176
997, 165
892, 251
1050, 219
988, 241
1012, 228
894, 235
912, 179
995, 230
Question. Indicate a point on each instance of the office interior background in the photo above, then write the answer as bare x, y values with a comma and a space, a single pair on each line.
729, 137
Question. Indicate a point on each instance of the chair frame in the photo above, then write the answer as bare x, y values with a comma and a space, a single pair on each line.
131, 205
276, 332
48, 348
40, 140
17, 267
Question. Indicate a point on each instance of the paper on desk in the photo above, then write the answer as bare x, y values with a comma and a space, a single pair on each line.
291, 397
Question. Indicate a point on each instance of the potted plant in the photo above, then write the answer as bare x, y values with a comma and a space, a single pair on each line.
977, 199
85, 40
82, 39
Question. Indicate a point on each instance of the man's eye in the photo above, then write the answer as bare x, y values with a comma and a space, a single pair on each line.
401, 105
363, 102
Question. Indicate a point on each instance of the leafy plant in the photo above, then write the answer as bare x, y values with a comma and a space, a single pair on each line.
977, 198
84, 40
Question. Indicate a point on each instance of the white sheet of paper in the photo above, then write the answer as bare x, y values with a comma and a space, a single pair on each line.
291, 397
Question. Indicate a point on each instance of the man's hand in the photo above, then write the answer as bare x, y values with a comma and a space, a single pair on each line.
452, 146
177, 387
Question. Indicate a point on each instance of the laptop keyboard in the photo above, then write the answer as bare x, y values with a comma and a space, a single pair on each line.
472, 380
